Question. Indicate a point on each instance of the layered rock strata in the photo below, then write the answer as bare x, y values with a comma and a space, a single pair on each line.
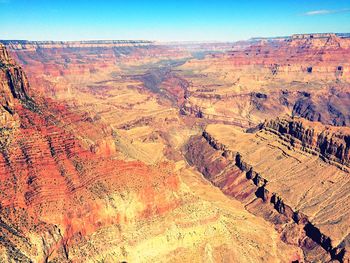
331, 143
304, 197
13, 88
301, 76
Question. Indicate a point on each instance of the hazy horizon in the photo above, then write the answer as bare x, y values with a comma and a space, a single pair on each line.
169, 41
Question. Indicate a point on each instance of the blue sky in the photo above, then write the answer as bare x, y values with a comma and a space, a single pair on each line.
169, 20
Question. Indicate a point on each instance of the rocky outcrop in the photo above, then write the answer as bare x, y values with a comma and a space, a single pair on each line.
331, 143
196, 111
237, 178
313, 36
13, 88
278, 203
331, 109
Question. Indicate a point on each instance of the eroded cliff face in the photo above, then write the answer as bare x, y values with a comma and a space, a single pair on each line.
296, 191
331, 143
34, 45
302, 76
56, 69
13, 89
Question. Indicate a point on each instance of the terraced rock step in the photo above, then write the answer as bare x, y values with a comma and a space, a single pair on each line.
306, 198
331, 143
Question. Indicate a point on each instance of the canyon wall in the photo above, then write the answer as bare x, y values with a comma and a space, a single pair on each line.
331, 143
56, 68
274, 180
13, 88
306, 76
302, 76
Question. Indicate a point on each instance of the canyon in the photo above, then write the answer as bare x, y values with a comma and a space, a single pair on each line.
141, 151
305, 198
299, 77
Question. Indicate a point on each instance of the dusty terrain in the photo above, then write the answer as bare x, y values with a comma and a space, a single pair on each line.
138, 151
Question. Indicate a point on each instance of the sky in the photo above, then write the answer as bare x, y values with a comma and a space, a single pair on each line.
180, 20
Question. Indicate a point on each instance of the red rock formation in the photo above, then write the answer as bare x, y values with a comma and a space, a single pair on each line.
52, 189
13, 88
61, 187
319, 56
53, 67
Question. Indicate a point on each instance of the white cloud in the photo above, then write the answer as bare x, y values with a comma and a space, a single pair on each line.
326, 12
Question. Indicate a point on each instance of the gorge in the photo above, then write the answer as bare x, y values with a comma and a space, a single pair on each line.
142, 151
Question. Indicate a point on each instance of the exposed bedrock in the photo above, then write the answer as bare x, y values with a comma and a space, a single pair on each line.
13, 88
306, 77
230, 172
331, 143
329, 108
71, 189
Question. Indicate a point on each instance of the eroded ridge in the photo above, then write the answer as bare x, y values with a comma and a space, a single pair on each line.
305, 197
13, 89
329, 142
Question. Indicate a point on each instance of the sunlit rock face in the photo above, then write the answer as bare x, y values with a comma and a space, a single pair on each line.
147, 152
282, 174
13, 89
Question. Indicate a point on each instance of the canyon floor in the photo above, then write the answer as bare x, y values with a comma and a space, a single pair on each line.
138, 151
